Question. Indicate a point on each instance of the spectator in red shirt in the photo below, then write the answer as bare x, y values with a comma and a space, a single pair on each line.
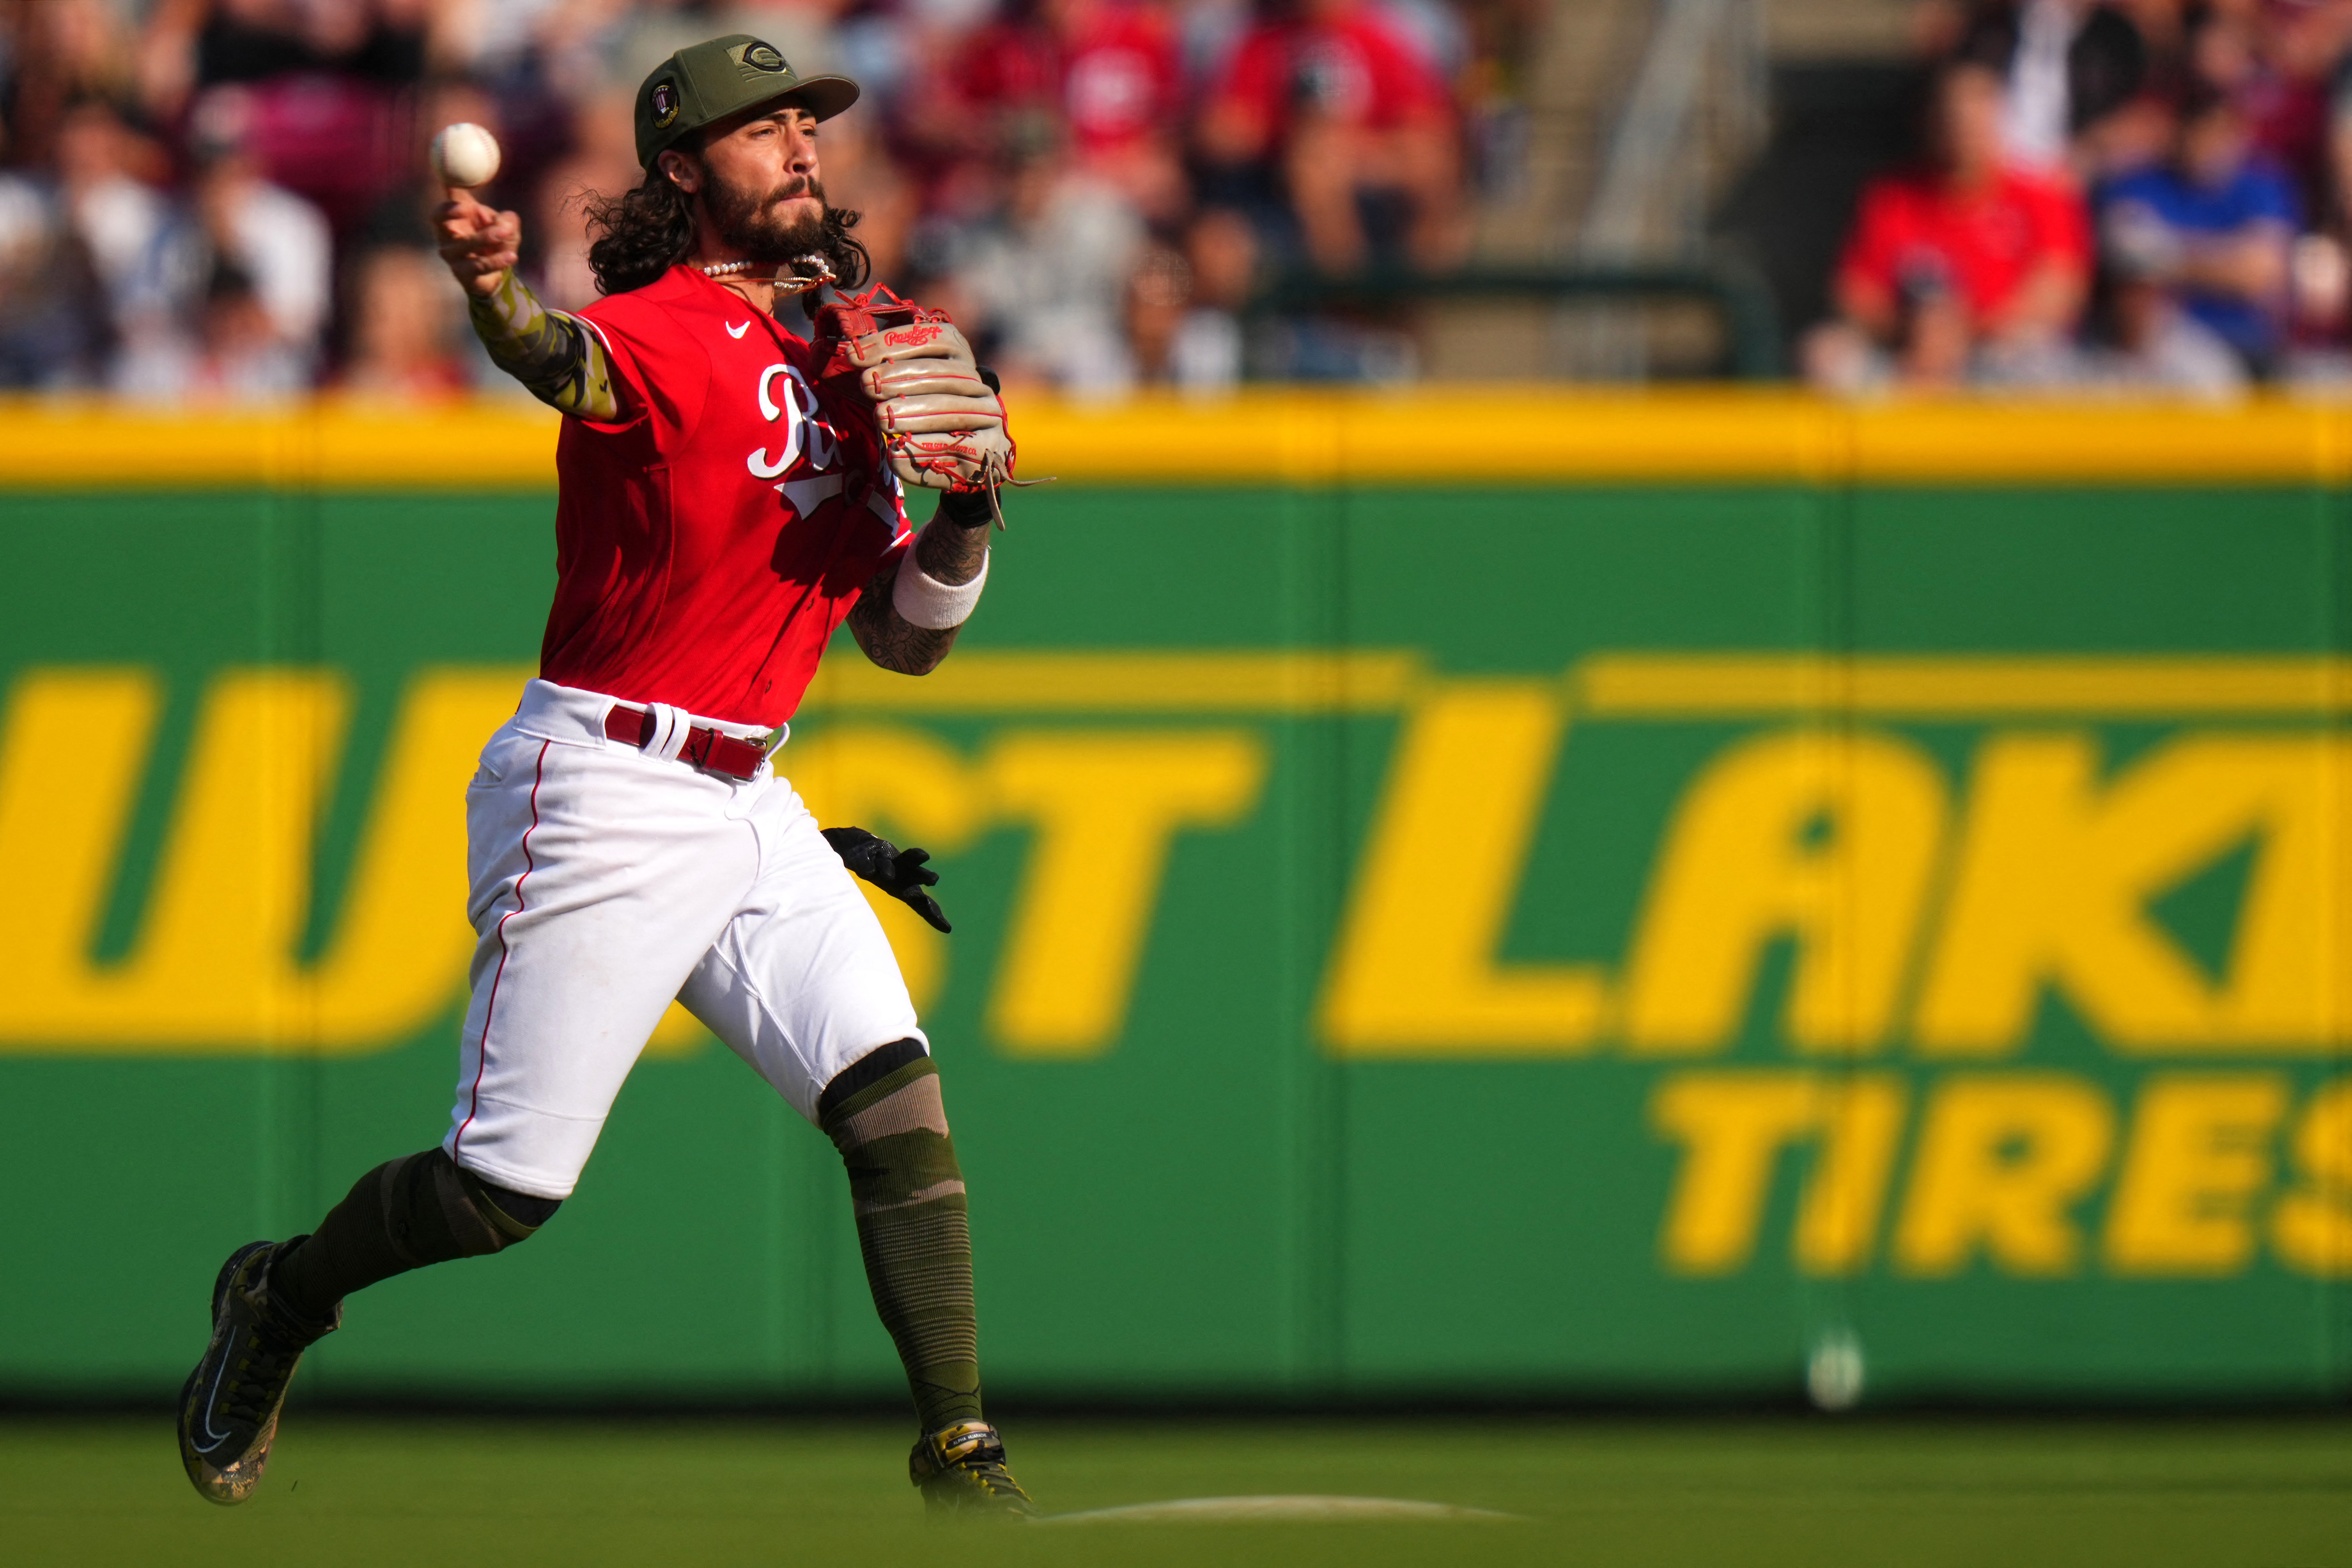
1122, 73
1010, 66
1969, 264
1108, 72
1334, 101
1122, 96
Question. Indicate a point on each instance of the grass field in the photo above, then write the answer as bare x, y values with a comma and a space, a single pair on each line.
2214, 1493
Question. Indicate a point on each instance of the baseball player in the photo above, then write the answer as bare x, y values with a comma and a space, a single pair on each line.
728, 494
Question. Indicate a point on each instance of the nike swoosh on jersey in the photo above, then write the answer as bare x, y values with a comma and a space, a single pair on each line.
735, 332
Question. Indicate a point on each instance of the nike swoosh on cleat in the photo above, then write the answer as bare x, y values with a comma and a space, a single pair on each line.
217, 1436
735, 332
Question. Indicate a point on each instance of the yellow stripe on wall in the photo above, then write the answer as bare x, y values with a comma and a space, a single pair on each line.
1112, 680
1607, 686
472, 447
1754, 686
1479, 435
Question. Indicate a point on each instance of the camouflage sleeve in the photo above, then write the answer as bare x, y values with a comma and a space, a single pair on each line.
556, 355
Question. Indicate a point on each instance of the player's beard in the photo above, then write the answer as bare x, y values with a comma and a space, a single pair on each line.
754, 225
641, 233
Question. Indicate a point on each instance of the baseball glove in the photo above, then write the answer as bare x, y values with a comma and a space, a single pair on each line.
942, 423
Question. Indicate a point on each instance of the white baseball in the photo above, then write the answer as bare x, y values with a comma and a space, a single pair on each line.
466, 155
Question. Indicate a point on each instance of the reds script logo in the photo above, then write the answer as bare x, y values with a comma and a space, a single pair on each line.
802, 426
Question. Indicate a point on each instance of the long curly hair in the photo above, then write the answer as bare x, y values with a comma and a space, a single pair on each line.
643, 233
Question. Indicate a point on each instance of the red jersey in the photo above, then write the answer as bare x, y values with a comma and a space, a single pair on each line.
1916, 230
1354, 69
707, 547
1113, 73
1008, 67
1122, 79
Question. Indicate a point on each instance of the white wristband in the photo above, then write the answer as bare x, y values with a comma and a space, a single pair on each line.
933, 605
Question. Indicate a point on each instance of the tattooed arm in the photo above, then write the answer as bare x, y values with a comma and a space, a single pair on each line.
952, 549
556, 355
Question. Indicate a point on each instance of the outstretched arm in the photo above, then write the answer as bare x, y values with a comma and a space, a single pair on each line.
552, 354
951, 553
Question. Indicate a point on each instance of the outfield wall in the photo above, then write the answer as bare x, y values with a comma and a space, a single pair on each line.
1479, 893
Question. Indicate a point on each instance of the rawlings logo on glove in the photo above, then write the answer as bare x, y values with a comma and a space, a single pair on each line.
941, 424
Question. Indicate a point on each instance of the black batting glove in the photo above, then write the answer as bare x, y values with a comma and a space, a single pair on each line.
897, 872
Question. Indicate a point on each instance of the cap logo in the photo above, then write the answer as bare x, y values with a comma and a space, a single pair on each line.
664, 105
763, 56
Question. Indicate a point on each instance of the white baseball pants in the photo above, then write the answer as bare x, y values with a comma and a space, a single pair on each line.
607, 880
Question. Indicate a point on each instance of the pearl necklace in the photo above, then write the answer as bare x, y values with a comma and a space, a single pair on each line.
783, 283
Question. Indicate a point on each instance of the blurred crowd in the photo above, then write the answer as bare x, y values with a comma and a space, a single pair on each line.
2150, 194
225, 199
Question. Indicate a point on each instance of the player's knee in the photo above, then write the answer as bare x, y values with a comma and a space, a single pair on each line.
886, 1115
515, 1216
439, 1212
885, 1073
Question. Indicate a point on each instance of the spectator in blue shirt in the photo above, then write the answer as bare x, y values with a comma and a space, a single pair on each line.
2214, 225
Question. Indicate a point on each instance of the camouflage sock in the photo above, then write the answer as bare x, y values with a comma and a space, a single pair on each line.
405, 1213
888, 1118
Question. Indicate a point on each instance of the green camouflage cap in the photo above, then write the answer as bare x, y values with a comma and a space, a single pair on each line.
703, 85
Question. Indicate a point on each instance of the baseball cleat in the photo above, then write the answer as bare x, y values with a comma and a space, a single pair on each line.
960, 1469
229, 1411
